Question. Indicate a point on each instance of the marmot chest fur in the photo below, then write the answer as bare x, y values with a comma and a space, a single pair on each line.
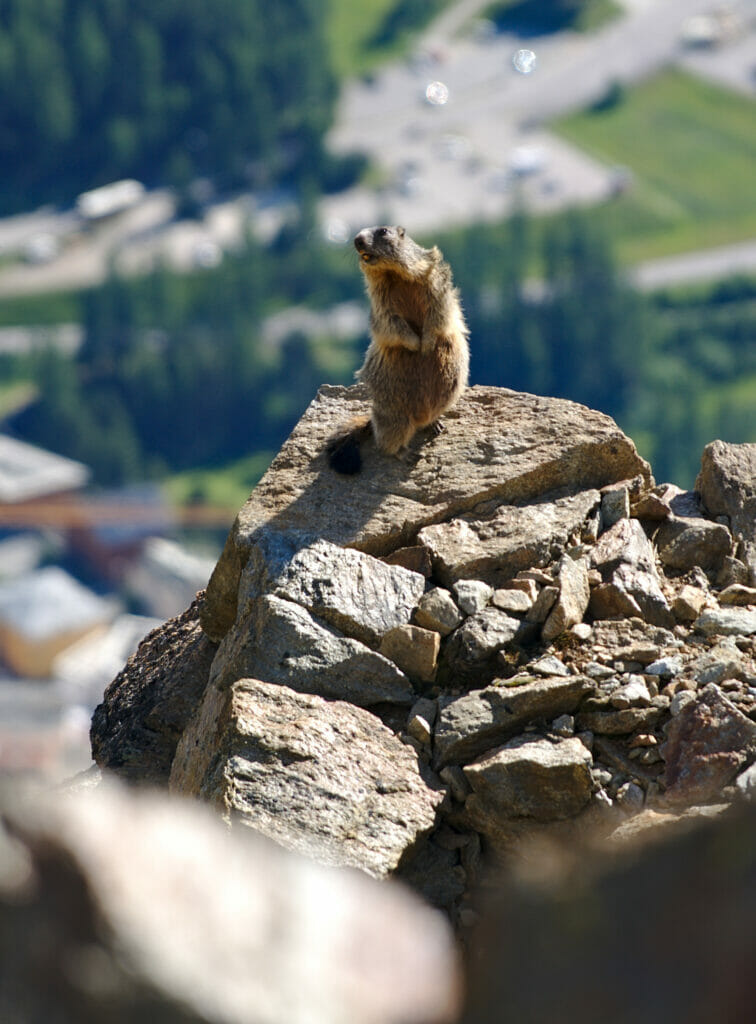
416, 366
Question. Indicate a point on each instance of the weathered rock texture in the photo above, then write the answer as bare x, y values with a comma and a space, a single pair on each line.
498, 446
116, 907
508, 632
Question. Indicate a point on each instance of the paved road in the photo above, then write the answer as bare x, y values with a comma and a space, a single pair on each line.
704, 265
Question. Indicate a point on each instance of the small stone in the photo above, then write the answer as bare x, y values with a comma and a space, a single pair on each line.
572, 600
745, 783
733, 570
419, 728
644, 739
726, 622
416, 558
641, 652
688, 604
615, 505
630, 797
597, 671
680, 701
586, 738
516, 601
543, 604
549, 665
581, 630
472, 595
529, 587
537, 575
436, 610
686, 542
633, 693
564, 725
618, 723
426, 708
666, 667
455, 779
603, 801
722, 662
414, 650
737, 594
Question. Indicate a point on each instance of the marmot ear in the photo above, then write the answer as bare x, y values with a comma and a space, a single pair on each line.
400, 231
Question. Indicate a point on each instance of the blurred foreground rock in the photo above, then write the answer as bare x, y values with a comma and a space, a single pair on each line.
116, 907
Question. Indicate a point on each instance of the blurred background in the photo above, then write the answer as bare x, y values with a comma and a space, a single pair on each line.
181, 181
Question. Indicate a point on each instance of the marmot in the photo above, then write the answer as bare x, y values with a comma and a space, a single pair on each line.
416, 365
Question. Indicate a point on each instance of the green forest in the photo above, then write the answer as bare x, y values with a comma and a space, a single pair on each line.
94, 90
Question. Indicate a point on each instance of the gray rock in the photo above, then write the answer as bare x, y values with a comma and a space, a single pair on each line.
721, 662
437, 610
665, 667
531, 778
479, 720
517, 601
726, 622
572, 602
497, 446
472, 595
564, 725
543, 604
476, 641
280, 642
624, 544
685, 542
414, 650
598, 671
617, 723
634, 693
137, 907
359, 595
709, 742
727, 485
615, 505
510, 539
426, 708
644, 589
680, 701
548, 665
321, 777
455, 779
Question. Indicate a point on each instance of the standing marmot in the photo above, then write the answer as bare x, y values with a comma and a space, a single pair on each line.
417, 363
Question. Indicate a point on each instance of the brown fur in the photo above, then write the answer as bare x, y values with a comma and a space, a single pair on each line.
417, 363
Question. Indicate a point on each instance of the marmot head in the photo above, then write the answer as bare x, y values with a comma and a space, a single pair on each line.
389, 246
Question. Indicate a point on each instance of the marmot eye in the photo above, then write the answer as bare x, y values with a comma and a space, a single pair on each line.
380, 232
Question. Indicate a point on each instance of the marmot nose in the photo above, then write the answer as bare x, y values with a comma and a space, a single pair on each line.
362, 241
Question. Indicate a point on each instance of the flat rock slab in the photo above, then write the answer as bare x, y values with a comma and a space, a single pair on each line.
354, 592
281, 642
531, 778
321, 777
497, 547
469, 725
727, 622
708, 743
497, 444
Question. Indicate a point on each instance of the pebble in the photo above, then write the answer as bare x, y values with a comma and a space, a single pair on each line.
419, 728
746, 783
596, 671
667, 667
436, 610
564, 725
516, 601
549, 665
630, 796
681, 700
472, 595
633, 693
455, 779
582, 630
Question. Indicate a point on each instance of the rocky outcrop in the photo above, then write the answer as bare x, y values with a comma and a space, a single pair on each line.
118, 907
508, 632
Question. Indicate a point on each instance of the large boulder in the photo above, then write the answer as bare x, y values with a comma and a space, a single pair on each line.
498, 446
727, 485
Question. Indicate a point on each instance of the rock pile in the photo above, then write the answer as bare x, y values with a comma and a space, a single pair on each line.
511, 631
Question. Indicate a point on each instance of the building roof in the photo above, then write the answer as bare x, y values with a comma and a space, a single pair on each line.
28, 472
49, 602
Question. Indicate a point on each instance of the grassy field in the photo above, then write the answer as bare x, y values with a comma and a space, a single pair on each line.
692, 149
